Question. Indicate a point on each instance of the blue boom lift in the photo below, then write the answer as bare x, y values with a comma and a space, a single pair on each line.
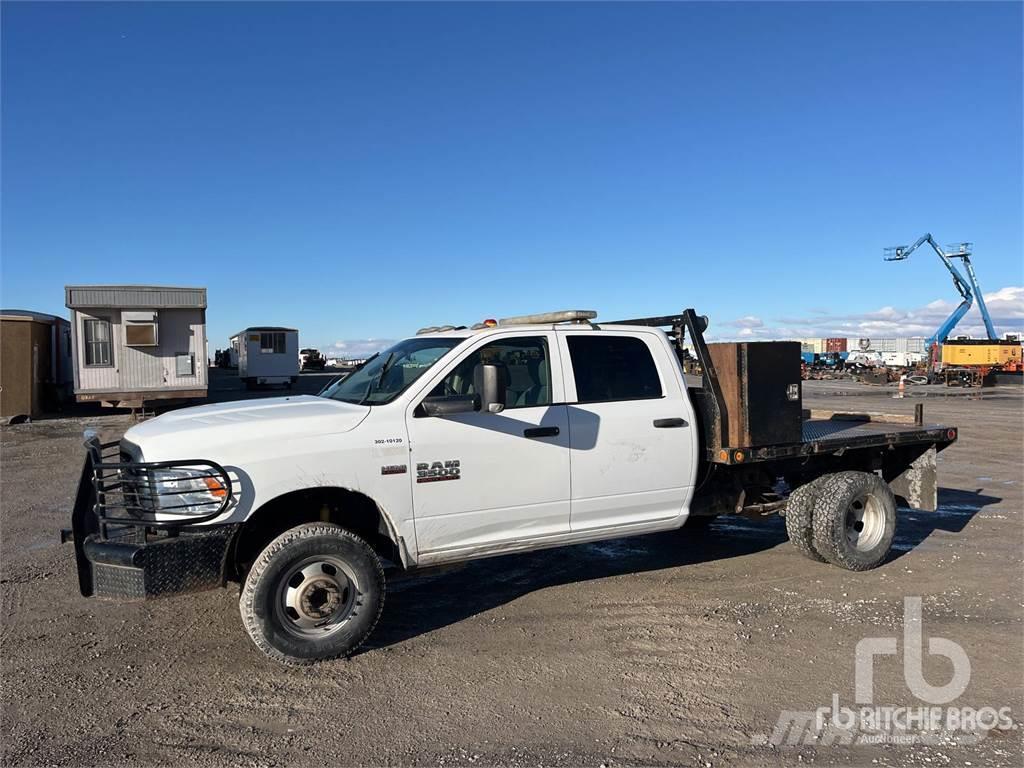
968, 288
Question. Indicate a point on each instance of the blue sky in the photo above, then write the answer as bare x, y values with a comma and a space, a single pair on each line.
358, 171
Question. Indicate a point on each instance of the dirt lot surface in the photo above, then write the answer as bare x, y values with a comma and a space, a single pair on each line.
666, 649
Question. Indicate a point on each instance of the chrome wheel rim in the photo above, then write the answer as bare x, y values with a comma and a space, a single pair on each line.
316, 597
865, 522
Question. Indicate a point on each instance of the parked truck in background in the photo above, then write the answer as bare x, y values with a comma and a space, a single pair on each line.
311, 360
462, 443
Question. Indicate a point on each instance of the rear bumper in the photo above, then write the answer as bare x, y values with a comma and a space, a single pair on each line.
128, 567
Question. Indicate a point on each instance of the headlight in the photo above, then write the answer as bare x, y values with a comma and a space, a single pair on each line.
182, 491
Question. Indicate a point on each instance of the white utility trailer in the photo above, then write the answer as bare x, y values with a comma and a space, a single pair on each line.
267, 355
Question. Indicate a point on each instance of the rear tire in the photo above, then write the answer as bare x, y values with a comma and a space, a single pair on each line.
855, 520
799, 517
314, 593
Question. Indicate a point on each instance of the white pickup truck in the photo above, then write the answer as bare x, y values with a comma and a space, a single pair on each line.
462, 443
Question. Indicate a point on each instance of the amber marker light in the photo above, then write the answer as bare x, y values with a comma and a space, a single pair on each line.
215, 487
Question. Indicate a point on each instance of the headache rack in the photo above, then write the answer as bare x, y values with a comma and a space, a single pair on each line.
127, 493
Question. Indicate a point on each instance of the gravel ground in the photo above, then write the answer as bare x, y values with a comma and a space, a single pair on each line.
657, 650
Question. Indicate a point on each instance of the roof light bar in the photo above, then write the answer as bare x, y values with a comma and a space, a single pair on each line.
439, 329
565, 316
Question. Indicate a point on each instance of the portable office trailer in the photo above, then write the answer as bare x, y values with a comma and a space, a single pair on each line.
133, 343
267, 355
35, 363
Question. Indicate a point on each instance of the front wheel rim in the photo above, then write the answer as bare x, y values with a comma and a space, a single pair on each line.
316, 597
865, 522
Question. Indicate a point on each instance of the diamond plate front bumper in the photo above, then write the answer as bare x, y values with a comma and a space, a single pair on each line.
128, 568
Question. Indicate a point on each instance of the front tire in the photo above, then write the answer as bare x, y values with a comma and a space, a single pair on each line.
314, 593
855, 520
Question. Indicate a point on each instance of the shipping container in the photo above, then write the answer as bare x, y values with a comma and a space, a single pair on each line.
980, 352
888, 344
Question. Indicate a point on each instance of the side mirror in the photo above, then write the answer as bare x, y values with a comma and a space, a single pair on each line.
448, 405
491, 382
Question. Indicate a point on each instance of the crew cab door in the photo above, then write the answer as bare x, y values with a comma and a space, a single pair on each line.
633, 440
482, 479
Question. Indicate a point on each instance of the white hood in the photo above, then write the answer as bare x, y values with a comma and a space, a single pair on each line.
208, 430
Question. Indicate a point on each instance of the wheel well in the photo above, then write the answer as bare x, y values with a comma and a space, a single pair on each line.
349, 509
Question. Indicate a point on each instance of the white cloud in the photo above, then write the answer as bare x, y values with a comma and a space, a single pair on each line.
747, 321
1006, 306
1009, 301
357, 348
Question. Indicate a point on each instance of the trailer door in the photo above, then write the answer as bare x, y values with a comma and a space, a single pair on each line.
632, 438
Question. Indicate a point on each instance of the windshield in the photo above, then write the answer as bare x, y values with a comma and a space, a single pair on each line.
387, 375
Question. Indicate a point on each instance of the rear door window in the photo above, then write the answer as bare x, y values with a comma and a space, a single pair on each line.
612, 368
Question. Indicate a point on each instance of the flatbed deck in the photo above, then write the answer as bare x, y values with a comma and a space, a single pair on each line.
835, 436
823, 431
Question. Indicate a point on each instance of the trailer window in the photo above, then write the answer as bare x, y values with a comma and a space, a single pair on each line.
97, 343
612, 368
272, 343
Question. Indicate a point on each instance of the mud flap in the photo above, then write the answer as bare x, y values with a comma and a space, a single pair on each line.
918, 483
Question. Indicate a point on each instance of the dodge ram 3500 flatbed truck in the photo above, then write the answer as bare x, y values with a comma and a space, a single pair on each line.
462, 443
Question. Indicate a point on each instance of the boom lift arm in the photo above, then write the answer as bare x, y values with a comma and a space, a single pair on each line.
968, 288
